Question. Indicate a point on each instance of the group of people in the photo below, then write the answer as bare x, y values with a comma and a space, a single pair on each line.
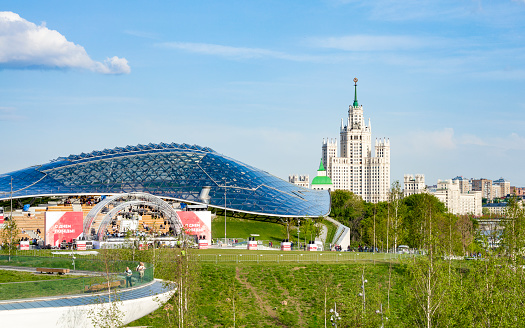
128, 273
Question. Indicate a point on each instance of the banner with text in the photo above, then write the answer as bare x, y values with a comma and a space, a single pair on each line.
63, 226
196, 223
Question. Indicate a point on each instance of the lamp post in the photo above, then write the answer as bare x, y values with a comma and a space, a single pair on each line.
73, 258
225, 240
335, 315
11, 196
363, 294
298, 231
380, 311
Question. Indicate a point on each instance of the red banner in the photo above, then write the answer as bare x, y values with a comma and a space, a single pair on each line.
62, 226
196, 223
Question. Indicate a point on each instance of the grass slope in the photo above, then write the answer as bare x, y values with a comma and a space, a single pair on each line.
242, 228
285, 295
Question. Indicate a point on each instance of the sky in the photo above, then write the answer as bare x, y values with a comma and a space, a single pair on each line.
265, 81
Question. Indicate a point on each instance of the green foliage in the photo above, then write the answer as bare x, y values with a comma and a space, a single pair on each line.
283, 295
513, 237
349, 209
9, 236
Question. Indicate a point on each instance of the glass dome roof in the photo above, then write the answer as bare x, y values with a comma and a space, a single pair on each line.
173, 171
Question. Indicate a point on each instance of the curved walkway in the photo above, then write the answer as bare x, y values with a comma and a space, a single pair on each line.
153, 288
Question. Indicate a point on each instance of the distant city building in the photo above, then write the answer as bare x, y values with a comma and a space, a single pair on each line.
518, 191
359, 169
492, 189
431, 189
321, 181
465, 185
501, 188
499, 209
458, 203
413, 185
300, 180
485, 186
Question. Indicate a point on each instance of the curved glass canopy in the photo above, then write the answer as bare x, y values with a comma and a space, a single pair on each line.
173, 171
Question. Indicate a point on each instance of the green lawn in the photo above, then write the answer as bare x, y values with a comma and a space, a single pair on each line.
17, 276
331, 231
17, 284
272, 295
241, 228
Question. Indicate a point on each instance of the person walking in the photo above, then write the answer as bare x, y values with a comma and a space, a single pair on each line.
129, 273
140, 269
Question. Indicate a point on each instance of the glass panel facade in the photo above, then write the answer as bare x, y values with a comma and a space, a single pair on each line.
172, 171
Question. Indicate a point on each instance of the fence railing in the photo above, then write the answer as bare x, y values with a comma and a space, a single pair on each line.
334, 257
117, 278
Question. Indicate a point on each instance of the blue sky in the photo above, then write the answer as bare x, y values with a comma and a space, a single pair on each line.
265, 81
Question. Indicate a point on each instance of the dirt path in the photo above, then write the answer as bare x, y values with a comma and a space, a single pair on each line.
258, 300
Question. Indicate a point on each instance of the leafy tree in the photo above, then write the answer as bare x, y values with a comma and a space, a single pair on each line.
9, 236
395, 210
421, 211
349, 209
513, 237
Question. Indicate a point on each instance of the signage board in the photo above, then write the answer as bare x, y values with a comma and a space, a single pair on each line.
252, 245
286, 246
81, 245
61, 226
196, 223
203, 244
24, 245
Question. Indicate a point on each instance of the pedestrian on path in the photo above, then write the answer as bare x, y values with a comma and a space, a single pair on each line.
129, 273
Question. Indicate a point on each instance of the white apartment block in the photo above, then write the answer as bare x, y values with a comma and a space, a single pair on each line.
465, 185
501, 188
458, 203
413, 185
359, 168
300, 180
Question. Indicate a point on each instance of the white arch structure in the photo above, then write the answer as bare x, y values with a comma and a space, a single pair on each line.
114, 204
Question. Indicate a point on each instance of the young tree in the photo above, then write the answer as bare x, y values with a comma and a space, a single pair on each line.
107, 312
395, 221
176, 266
9, 236
513, 237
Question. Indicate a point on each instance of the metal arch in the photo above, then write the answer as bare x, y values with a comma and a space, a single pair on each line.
158, 202
170, 213
92, 215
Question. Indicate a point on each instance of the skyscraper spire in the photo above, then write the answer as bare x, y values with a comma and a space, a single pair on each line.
356, 104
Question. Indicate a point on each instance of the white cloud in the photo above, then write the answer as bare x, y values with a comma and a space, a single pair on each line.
234, 52
470, 139
23, 44
374, 42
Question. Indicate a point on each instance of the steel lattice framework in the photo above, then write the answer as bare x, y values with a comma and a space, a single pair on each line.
171, 171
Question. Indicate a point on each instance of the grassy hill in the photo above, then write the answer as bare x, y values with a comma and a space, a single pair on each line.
268, 231
242, 228
289, 295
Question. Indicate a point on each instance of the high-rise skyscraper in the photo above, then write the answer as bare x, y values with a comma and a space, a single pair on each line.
359, 168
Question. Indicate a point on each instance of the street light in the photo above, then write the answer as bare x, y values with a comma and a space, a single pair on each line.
382, 318
225, 240
363, 294
335, 315
73, 258
298, 231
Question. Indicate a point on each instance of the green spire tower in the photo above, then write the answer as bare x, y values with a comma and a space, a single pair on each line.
356, 104
321, 166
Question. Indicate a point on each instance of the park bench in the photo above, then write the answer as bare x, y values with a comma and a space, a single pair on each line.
103, 286
52, 270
